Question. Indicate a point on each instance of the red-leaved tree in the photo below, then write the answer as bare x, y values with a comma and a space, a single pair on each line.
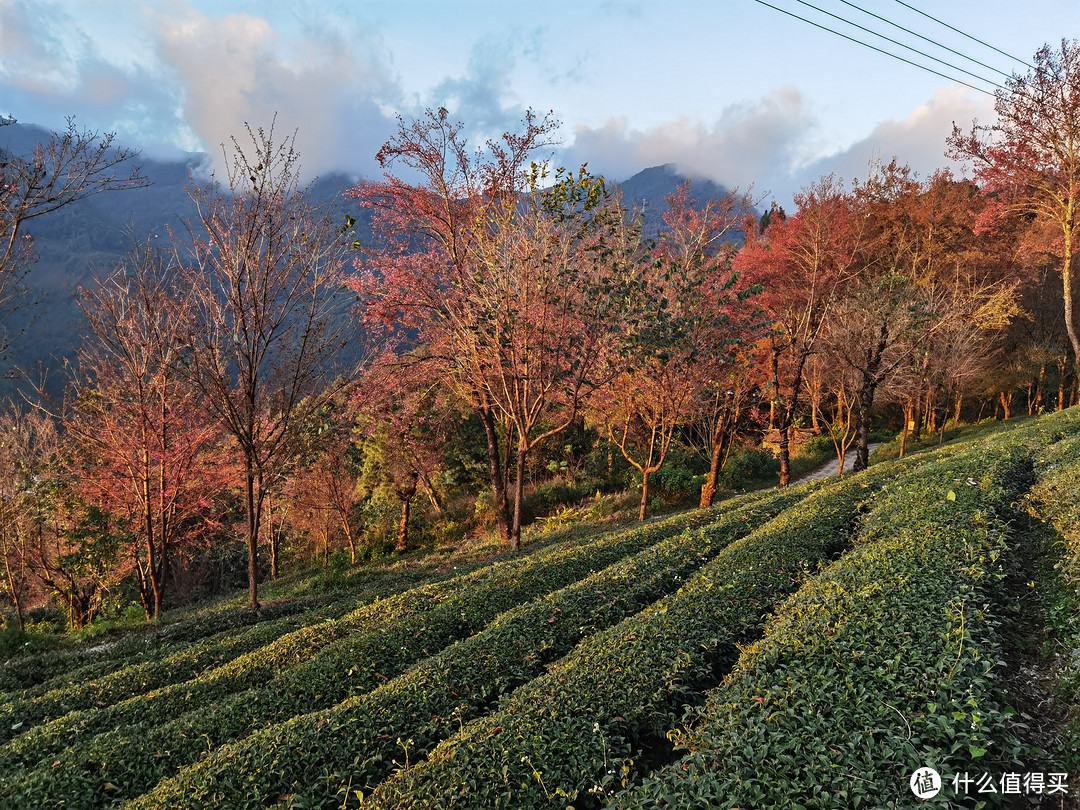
507, 283
1028, 161
803, 262
146, 447
684, 322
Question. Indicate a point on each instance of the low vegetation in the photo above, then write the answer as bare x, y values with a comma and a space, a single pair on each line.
811, 646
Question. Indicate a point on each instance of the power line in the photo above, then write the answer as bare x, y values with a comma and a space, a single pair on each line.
963, 34
925, 39
896, 42
875, 48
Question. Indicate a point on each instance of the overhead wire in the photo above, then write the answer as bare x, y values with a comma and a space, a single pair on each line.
965, 34
879, 50
897, 42
933, 42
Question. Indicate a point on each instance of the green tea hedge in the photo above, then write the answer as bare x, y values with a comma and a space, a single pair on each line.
356, 742
99, 657
568, 731
136, 743
143, 676
877, 667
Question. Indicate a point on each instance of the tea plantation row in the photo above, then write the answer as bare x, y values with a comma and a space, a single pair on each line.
93, 757
809, 647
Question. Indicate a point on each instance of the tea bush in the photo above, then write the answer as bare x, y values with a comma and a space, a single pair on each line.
136, 743
573, 728
875, 668
355, 743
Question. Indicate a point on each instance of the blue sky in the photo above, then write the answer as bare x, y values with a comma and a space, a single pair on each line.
728, 89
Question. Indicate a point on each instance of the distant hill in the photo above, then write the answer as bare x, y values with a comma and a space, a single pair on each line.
93, 235
649, 189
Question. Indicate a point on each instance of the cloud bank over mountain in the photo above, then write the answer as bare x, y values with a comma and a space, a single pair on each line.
189, 74
772, 146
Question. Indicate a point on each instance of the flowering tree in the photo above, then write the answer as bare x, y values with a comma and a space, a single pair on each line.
1028, 161
145, 445
322, 493
27, 439
804, 263
409, 417
684, 322
507, 282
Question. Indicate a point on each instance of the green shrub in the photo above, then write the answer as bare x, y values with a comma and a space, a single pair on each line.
744, 466
356, 742
155, 734
877, 667
571, 729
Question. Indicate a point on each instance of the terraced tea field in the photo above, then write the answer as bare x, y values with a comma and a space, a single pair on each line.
808, 647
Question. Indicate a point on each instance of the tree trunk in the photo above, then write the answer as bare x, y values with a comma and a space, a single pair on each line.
148, 527
403, 524
350, 537
519, 496
785, 456
721, 442
1006, 404
1039, 388
495, 470
273, 536
252, 536
907, 428
644, 493
144, 589
915, 422
786, 412
931, 412
1066, 288
862, 455
14, 591
866, 396
1062, 367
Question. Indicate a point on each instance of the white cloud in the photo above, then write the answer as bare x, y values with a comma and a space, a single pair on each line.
917, 140
774, 143
238, 70
749, 144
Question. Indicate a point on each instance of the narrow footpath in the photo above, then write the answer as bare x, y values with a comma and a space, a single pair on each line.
829, 467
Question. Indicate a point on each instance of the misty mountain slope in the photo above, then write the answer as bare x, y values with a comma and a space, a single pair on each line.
91, 236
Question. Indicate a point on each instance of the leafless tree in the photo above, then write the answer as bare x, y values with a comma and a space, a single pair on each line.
264, 264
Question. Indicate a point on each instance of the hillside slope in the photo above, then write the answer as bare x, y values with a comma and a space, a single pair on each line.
814, 646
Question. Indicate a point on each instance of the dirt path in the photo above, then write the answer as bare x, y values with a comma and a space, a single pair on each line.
829, 468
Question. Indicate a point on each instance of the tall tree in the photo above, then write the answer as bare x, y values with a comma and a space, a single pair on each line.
804, 262
943, 289
1028, 161
684, 319
507, 281
27, 439
264, 266
410, 416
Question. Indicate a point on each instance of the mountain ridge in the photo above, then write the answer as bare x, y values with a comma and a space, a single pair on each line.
93, 235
